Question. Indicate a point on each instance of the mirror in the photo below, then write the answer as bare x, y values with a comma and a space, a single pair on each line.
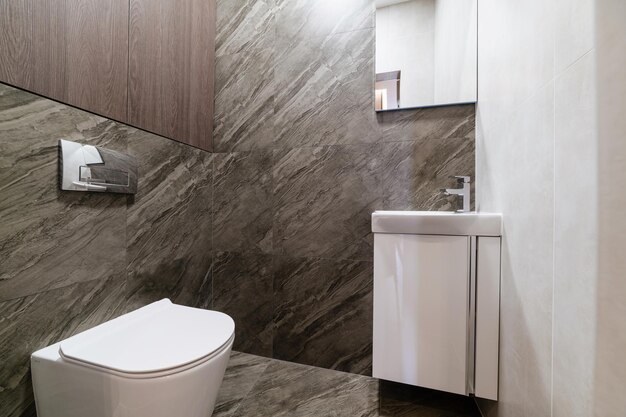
425, 53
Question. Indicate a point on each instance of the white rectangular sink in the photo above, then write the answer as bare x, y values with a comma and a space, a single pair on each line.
437, 223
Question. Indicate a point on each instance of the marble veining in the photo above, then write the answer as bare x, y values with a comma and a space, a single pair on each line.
324, 90
323, 198
297, 390
269, 387
322, 313
35, 321
244, 370
455, 121
71, 260
71, 237
311, 19
295, 81
244, 26
242, 205
244, 101
242, 288
274, 230
414, 172
169, 223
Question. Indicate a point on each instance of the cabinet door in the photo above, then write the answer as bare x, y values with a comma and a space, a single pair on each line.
171, 53
421, 306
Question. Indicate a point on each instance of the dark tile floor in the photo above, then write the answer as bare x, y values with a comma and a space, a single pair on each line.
257, 386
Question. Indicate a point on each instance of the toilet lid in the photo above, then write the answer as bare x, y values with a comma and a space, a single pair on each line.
157, 337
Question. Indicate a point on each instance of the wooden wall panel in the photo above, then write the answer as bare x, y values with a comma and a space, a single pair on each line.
49, 48
97, 56
149, 63
16, 33
171, 75
144, 81
32, 45
74, 51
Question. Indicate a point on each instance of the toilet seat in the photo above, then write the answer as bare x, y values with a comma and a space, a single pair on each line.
157, 340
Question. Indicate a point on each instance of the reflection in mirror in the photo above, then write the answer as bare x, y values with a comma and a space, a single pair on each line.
425, 53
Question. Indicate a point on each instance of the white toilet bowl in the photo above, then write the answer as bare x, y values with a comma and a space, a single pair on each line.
163, 360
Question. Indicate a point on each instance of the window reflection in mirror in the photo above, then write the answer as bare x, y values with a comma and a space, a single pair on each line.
425, 53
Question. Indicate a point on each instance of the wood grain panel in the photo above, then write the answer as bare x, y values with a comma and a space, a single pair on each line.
144, 82
97, 56
49, 49
172, 67
16, 28
77, 52
32, 45
74, 51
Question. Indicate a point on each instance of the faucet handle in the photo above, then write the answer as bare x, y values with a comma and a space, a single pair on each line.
462, 178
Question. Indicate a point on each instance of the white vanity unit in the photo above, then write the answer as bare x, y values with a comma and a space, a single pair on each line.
437, 300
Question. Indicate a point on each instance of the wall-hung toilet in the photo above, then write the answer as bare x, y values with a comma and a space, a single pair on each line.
163, 360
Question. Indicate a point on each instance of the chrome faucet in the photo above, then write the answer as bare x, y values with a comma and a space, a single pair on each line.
463, 192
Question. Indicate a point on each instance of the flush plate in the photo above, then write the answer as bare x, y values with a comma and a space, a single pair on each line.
437, 223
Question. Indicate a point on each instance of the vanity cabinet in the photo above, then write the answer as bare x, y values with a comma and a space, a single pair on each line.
421, 310
147, 63
437, 300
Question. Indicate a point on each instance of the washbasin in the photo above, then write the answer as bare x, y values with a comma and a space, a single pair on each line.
437, 223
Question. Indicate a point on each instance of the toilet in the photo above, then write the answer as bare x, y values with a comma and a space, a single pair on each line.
162, 360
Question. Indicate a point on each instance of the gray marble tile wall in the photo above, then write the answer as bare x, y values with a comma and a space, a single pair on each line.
273, 229
302, 162
69, 261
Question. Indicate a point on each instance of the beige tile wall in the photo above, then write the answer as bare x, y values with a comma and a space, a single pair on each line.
536, 163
